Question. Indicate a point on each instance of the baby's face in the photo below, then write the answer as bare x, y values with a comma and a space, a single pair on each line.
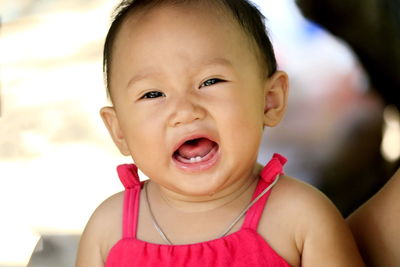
189, 99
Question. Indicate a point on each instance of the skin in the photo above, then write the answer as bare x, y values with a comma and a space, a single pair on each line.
375, 225
176, 53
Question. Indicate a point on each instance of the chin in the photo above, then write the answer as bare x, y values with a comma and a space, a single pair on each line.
206, 186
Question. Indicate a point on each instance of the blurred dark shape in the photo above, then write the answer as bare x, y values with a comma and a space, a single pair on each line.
372, 29
357, 169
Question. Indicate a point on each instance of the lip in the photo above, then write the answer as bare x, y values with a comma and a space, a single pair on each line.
210, 159
191, 137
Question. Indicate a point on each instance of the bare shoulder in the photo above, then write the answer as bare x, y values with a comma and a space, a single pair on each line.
309, 222
305, 195
102, 231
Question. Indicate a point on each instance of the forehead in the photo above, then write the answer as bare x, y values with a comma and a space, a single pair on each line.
173, 21
179, 33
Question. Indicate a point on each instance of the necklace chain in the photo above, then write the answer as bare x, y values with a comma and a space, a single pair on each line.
153, 219
234, 222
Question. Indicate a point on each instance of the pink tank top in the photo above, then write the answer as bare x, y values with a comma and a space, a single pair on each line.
244, 247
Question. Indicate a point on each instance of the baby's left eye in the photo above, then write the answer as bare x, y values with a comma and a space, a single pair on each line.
211, 82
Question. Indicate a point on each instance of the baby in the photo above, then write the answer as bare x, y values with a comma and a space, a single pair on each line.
193, 85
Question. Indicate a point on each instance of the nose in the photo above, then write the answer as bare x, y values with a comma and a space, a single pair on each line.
185, 110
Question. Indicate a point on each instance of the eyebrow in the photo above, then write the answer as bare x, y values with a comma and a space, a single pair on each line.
140, 76
217, 61
145, 74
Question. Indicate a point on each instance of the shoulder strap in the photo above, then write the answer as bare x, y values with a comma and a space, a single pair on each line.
269, 174
130, 179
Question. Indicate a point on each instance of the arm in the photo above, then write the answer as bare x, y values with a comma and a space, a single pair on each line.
89, 252
101, 232
376, 226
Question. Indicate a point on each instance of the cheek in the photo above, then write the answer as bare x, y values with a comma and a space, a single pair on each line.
141, 130
146, 143
242, 108
241, 125
243, 116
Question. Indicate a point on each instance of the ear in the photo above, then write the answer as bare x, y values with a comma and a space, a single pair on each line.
110, 119
275, 95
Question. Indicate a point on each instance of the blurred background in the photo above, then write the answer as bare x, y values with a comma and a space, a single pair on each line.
57, 162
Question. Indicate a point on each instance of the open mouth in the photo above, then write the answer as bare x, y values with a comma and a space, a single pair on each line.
197, 152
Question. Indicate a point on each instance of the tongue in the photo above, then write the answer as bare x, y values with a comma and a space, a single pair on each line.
198, 147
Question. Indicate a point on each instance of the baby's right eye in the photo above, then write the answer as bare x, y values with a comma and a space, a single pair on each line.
152, 94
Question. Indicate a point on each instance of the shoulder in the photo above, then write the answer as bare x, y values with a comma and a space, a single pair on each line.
302, 202
310, 223
306, 203
102, 231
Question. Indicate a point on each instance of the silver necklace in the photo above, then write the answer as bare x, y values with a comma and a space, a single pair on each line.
242, 213
153, 219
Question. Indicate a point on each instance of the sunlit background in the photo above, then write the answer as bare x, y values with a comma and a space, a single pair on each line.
57, 162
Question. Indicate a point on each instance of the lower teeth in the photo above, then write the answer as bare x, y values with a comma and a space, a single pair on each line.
195, 159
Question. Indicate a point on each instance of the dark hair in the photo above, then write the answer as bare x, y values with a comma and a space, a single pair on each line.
246, 14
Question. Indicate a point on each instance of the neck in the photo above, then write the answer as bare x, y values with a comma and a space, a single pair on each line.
193, 204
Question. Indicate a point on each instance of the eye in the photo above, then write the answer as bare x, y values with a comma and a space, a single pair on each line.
211, 82
152, 94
